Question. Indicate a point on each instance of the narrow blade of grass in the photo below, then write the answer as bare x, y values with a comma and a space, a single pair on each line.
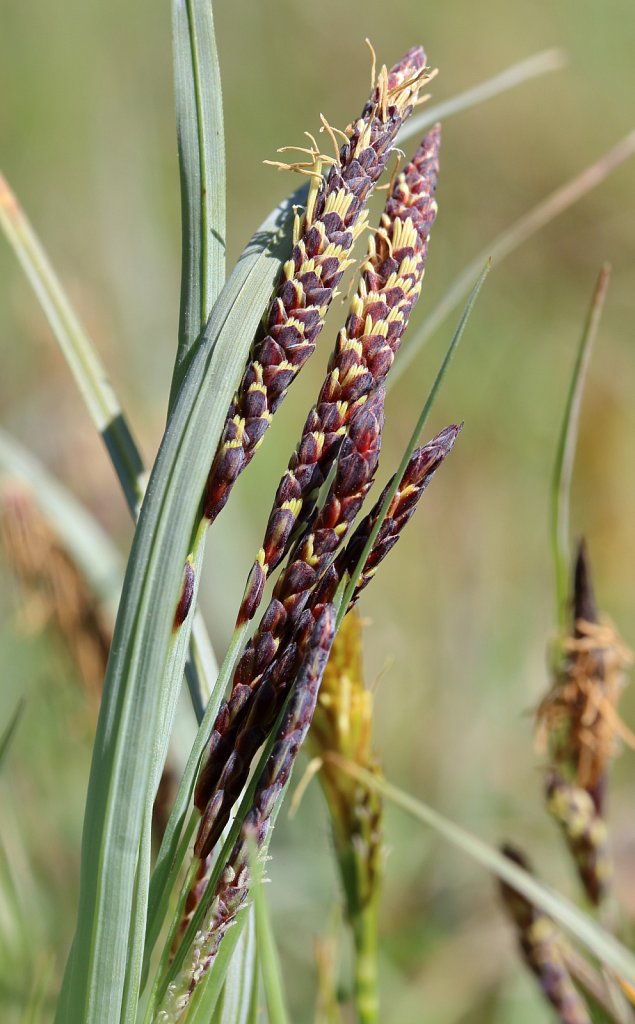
510, 240
90, 377
412, 444
532, 67
277, 222
268, 953
241, 989
565, 454
134, 718
201, 145
84, 363
605, 947
8, 733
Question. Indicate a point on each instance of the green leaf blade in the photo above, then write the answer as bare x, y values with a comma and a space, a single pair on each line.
133, 721
201, 146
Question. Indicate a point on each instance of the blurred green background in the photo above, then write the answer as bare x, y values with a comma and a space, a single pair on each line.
459, 618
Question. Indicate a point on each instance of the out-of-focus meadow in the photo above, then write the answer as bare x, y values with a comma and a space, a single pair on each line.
459, 619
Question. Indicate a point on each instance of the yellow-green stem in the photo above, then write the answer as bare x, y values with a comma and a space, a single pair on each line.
364, 926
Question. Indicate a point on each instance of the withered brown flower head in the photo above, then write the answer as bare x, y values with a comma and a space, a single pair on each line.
578, 717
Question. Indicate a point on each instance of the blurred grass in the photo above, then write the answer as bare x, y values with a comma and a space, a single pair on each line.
464, 608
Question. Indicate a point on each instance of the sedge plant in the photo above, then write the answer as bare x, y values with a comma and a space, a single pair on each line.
166, 930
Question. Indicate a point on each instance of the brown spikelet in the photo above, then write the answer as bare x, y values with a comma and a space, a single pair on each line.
578, 722
325, 236
389, 286
272, 655
233, 887
543, 949
578, 717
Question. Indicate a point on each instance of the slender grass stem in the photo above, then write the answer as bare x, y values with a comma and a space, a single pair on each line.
533, 67
510, 240
599, 942
84, 363
269, 959
364, 927
565, 455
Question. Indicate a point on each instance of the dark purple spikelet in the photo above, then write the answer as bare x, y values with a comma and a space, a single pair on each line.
334, 218
389, 286
543, 950
422, 466
187, 593
270, 659
233, 886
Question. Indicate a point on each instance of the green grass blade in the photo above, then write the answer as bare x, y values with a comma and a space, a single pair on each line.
267, 951
414, 439
510, 240
10, 729
565, 454
605, 947
201, 145
532, 67
210, 990
278, 221
134, 719
241, 989
83, 361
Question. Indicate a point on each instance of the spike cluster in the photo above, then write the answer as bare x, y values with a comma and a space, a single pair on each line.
390, 283
544, 950
332, 221
579, 720
422, 466
585, 833
233, 886
262, 676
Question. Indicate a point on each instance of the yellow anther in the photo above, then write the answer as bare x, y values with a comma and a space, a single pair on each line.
294, 506
338, 202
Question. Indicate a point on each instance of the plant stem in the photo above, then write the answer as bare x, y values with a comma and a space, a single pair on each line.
364, 926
